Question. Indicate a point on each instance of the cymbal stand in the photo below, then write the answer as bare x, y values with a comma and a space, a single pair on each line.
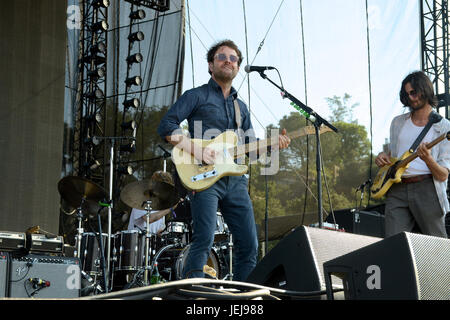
148, 208
80, 229
230, 245
229, 276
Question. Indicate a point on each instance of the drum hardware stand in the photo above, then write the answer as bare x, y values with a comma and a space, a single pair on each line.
148, 208
80, 229
230, 248
100, 242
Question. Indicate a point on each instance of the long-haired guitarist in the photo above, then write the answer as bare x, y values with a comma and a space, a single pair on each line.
211, 109
419, 202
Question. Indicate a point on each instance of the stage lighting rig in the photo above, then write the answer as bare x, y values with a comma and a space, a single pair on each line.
130, 148
130, 125
126, 170
132, 103
96, 94
136, 36
158, 5
133, 81
97, 73
100, 3
137, 15
135, 58
100, 26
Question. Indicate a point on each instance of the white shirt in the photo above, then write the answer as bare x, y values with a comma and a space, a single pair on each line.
408, 135
138, 221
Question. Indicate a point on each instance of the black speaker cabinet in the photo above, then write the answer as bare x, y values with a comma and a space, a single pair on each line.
406, 266
296, 263
368, 223
41, 276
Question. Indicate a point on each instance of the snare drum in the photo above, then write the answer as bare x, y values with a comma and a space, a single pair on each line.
176, 227
90, 252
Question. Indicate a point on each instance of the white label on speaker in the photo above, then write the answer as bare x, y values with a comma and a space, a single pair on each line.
374, 280
73, 281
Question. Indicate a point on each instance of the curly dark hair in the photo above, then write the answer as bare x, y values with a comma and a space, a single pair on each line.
227, 43
422, 84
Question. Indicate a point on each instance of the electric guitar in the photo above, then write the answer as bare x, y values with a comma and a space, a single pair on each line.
390, 174
197, 176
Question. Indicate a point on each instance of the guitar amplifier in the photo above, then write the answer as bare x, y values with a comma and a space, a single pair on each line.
4, 274
37, 243
40, 276
10, 240
369, 223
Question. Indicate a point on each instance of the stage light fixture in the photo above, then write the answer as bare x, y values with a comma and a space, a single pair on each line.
97, 73
94, 117
130, 125
132, 103
100, 3
131, 147
136, 36
135, 58
92, 165
138, 14
98, 48
92, 140
100, 26
125, 170
133, 81
96, 94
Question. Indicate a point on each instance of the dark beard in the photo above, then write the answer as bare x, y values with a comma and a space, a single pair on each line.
414, 109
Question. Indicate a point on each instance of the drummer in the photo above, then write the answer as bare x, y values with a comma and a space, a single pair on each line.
138, 219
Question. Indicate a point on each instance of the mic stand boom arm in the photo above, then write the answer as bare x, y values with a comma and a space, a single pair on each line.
317, 123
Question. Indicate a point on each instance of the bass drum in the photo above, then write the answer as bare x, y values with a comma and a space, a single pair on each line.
172, 259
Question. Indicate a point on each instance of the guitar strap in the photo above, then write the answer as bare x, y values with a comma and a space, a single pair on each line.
237, 113
434, 117
237, 116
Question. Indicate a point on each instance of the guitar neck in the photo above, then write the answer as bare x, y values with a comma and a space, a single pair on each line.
262, 145
414, 155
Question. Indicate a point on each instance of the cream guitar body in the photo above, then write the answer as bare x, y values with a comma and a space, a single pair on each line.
198, 176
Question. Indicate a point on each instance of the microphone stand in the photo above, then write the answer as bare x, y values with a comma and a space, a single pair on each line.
318, 121
166, 155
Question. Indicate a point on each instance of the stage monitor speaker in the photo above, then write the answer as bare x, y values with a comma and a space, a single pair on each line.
41, 276
405, 266
296, 262
4, 259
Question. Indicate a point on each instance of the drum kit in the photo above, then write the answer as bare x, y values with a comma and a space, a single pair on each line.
136, 257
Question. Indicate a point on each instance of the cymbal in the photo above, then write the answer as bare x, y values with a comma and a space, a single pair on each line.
76, 190
160, 190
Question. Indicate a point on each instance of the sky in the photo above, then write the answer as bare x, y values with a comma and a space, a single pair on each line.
337, 46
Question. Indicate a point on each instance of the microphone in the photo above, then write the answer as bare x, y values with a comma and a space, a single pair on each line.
362, 186
248, 68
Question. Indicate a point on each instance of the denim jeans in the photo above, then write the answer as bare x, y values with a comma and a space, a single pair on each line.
231, 195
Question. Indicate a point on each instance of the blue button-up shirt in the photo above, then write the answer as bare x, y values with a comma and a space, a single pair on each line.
208, 113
